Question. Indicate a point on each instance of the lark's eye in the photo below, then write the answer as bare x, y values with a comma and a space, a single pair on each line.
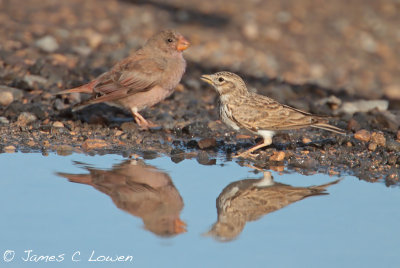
221, 79
169, 40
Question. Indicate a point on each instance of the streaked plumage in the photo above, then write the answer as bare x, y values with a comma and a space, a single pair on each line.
250, 199
241, 109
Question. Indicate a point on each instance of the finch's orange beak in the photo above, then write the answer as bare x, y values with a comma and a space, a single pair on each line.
182, 44
179, 226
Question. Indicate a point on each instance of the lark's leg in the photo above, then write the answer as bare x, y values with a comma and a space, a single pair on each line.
266, 141
143, 123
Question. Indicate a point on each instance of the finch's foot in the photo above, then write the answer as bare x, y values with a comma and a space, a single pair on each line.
143, 123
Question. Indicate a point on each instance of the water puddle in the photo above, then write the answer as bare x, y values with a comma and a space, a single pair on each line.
119, 212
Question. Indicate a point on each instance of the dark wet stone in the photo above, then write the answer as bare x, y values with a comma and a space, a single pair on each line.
38, 111
126, 153
192, 144
387, 120
176, 143
196, 129
207, 143
392, 178
149, 154
309, 163
204, 159
177, 155
393, 145
14, 109
353, 125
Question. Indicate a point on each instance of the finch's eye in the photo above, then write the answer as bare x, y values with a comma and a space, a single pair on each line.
169, 40
221, 79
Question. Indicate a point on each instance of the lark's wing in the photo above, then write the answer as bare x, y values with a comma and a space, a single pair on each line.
257, 112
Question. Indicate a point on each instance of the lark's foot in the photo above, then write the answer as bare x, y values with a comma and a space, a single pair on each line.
248, 153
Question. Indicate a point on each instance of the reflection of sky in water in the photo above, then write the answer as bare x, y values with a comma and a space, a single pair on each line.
356, 225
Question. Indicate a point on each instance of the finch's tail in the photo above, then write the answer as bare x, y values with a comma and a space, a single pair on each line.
87, 88
77, 178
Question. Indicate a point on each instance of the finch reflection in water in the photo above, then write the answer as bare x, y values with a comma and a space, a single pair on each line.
250, 199
141, 190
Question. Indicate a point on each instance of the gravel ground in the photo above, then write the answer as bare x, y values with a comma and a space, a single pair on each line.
338, 58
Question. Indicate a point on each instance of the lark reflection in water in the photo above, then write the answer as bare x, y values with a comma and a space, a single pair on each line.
141, 190
250, 199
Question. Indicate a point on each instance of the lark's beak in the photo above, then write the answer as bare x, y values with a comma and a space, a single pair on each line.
207, 78
182, 44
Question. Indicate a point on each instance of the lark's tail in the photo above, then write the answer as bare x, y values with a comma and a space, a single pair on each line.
324, 186
328, 127
320, 189
87, 88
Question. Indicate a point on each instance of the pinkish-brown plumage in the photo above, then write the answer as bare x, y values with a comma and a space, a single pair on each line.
141, 190
143, 79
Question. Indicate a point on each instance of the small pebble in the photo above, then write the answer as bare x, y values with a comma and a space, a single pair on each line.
64, 150
91, 144
353, 125
46, 143
58, 124
118, 133
250, 30
18, 94
363, 135
9, 149
31, 80
372, 146
378, 138
4, 120
363, 106
6, 98
242, 136
203, 157
25, 118
278, 156
306, 140
31, 143
47, 43
207, 143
